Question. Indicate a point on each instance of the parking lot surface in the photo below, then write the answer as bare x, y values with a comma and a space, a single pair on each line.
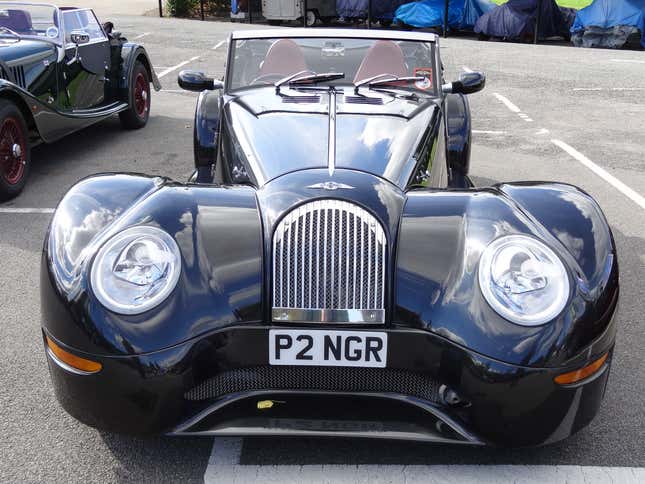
548, 113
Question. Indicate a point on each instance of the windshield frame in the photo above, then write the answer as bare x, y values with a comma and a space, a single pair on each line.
21, 5
332, 33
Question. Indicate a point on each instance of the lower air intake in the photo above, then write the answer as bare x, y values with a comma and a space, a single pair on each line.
339, 379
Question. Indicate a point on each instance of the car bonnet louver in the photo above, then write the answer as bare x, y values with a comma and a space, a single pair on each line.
304, 99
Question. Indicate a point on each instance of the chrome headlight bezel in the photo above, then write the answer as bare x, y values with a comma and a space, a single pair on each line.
554, 273
103, 278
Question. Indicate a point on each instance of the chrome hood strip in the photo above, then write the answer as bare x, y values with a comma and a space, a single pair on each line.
331, 144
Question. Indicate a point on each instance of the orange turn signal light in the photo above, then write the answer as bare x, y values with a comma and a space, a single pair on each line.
582, 373
74, 361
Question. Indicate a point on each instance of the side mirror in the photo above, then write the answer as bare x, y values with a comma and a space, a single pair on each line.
468, 83
197, 81
79, 37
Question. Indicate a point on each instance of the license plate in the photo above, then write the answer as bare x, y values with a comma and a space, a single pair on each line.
327, 348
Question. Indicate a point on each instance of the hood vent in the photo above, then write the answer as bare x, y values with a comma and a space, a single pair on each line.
301, 99
19, 75
376, 101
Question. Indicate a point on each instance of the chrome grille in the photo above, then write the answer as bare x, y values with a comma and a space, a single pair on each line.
329, 265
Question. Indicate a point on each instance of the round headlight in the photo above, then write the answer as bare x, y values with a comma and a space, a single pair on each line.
523, 280
136, 270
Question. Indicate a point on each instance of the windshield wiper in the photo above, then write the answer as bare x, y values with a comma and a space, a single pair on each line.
386, 79
308, 77
9, 31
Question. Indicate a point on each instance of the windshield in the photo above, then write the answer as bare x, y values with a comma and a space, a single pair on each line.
257, 62
29, 21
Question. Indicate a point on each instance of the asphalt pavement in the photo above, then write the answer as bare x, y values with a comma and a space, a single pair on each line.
539, 102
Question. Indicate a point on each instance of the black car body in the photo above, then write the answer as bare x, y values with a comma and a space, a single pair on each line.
61, 71
330, 269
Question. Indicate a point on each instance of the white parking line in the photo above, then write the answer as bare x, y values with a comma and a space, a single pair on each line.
482, 131
219, 44
141, 36
612, 180
225, 451
507, 103
608, 89
174, 68
435, 474
467, 69
178, 91
631, 61
26, 210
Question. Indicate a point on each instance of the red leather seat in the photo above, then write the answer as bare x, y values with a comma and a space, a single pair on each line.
283, 58
384, 57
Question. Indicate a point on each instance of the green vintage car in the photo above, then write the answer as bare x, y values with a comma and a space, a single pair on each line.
61, 70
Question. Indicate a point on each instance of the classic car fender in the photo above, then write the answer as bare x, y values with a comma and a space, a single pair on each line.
217, 229
130, 53
206, 134
458, 133
48, 124
21, 98
441, 238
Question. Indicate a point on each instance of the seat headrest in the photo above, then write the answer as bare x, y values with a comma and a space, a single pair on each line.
18, 21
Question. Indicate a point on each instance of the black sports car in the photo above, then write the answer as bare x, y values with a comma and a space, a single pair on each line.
61, 71
330, 269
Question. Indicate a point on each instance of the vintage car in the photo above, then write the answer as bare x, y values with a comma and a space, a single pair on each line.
60, 71
330, 269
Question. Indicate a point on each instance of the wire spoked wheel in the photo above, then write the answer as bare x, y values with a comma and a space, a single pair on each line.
138, 112
13, 150
15, 155
141, 95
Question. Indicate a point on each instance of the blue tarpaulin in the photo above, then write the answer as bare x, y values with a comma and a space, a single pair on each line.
384, 9
462, 14
351, 8
516, 20
603, 18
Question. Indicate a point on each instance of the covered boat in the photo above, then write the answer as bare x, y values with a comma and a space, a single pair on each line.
352, 8
609, 23
516, 19
462, 14
384, 10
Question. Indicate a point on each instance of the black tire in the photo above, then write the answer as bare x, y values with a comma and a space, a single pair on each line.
311, 17
138, 112
274, 22
15, 152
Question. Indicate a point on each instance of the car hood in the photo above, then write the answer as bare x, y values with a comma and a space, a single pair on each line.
278, 135
14, 51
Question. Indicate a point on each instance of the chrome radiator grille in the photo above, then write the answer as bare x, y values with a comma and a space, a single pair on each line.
329, 265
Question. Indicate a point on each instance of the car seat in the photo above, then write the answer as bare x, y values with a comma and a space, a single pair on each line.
384, 57
283, 58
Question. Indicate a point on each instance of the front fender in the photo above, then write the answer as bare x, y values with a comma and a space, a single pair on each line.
206, 133
130, 53
458, 133
441, 238
218, 232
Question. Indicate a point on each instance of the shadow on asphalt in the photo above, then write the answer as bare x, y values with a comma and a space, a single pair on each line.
159, 459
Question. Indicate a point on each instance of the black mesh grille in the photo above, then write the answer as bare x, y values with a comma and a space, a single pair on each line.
340, 379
